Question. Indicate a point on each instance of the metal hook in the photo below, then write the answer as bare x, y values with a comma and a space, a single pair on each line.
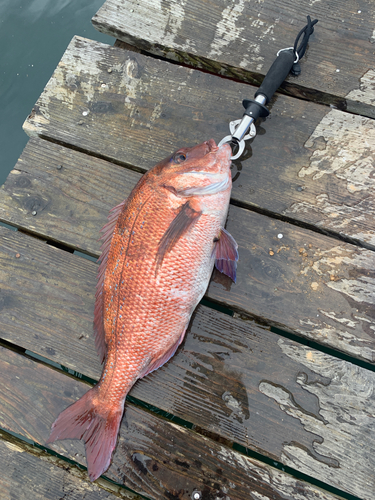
295, 53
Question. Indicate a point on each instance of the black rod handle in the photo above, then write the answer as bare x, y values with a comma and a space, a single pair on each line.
276, 74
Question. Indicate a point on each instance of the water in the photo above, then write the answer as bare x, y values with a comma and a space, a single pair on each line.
33, 37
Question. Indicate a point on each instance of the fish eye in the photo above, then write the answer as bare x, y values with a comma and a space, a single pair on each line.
179, 157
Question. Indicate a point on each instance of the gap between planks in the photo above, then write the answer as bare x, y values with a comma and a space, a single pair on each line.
19, 443
233, 201
242, 40
151, 456
57, 474
193, 382
295, 167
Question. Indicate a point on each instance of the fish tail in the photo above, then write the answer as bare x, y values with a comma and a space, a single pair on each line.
95, 424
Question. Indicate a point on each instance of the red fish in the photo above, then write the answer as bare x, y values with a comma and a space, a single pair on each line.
159, 249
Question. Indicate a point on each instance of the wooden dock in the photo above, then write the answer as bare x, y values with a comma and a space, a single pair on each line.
271, 395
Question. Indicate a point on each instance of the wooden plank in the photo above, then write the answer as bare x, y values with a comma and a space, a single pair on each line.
28, 472
241, 39
152, 456
231, 377
70, 192
302, 281
307, 163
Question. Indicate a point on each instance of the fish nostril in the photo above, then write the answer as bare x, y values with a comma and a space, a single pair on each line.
211, 146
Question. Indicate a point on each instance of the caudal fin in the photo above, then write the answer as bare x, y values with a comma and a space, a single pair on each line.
96, 425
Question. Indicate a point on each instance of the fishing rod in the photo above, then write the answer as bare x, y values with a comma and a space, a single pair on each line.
287, 61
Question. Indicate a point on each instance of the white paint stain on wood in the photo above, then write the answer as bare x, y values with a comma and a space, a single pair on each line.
63, 84
325, 333
345, 321
349, 151
345, 269
346, 150
339, 260
346, 417
248, 60
35, 127
259, 496
226, 29
366, 91
361, 290
279, 483
160, 22
172, 18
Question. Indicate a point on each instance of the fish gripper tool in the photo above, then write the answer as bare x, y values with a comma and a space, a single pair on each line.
287, 61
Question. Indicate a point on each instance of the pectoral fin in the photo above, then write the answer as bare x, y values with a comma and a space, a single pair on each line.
226, 254
185, 218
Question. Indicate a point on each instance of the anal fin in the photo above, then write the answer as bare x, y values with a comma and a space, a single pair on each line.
161, 360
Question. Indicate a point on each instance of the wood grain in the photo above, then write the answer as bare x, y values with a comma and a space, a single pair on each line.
302, 281
28, 472
308, 162
230, 377
70, 192
241, 40
151, 457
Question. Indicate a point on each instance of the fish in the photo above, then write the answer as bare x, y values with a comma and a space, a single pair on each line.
159, 249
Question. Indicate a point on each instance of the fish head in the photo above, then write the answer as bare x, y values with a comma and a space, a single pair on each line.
198, 171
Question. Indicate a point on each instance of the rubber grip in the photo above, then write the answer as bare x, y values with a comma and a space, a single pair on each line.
276, 74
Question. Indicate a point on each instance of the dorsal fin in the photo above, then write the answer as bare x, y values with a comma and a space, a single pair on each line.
107, 233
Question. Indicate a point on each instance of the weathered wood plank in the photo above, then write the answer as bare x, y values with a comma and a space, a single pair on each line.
230, 377
308, 162
241, 39
321, 288
152, 456
68, 190
304, 282
28, 472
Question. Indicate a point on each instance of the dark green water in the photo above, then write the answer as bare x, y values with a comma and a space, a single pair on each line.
33, 37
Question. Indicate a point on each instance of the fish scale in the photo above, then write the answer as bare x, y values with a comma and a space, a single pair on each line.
159, 249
